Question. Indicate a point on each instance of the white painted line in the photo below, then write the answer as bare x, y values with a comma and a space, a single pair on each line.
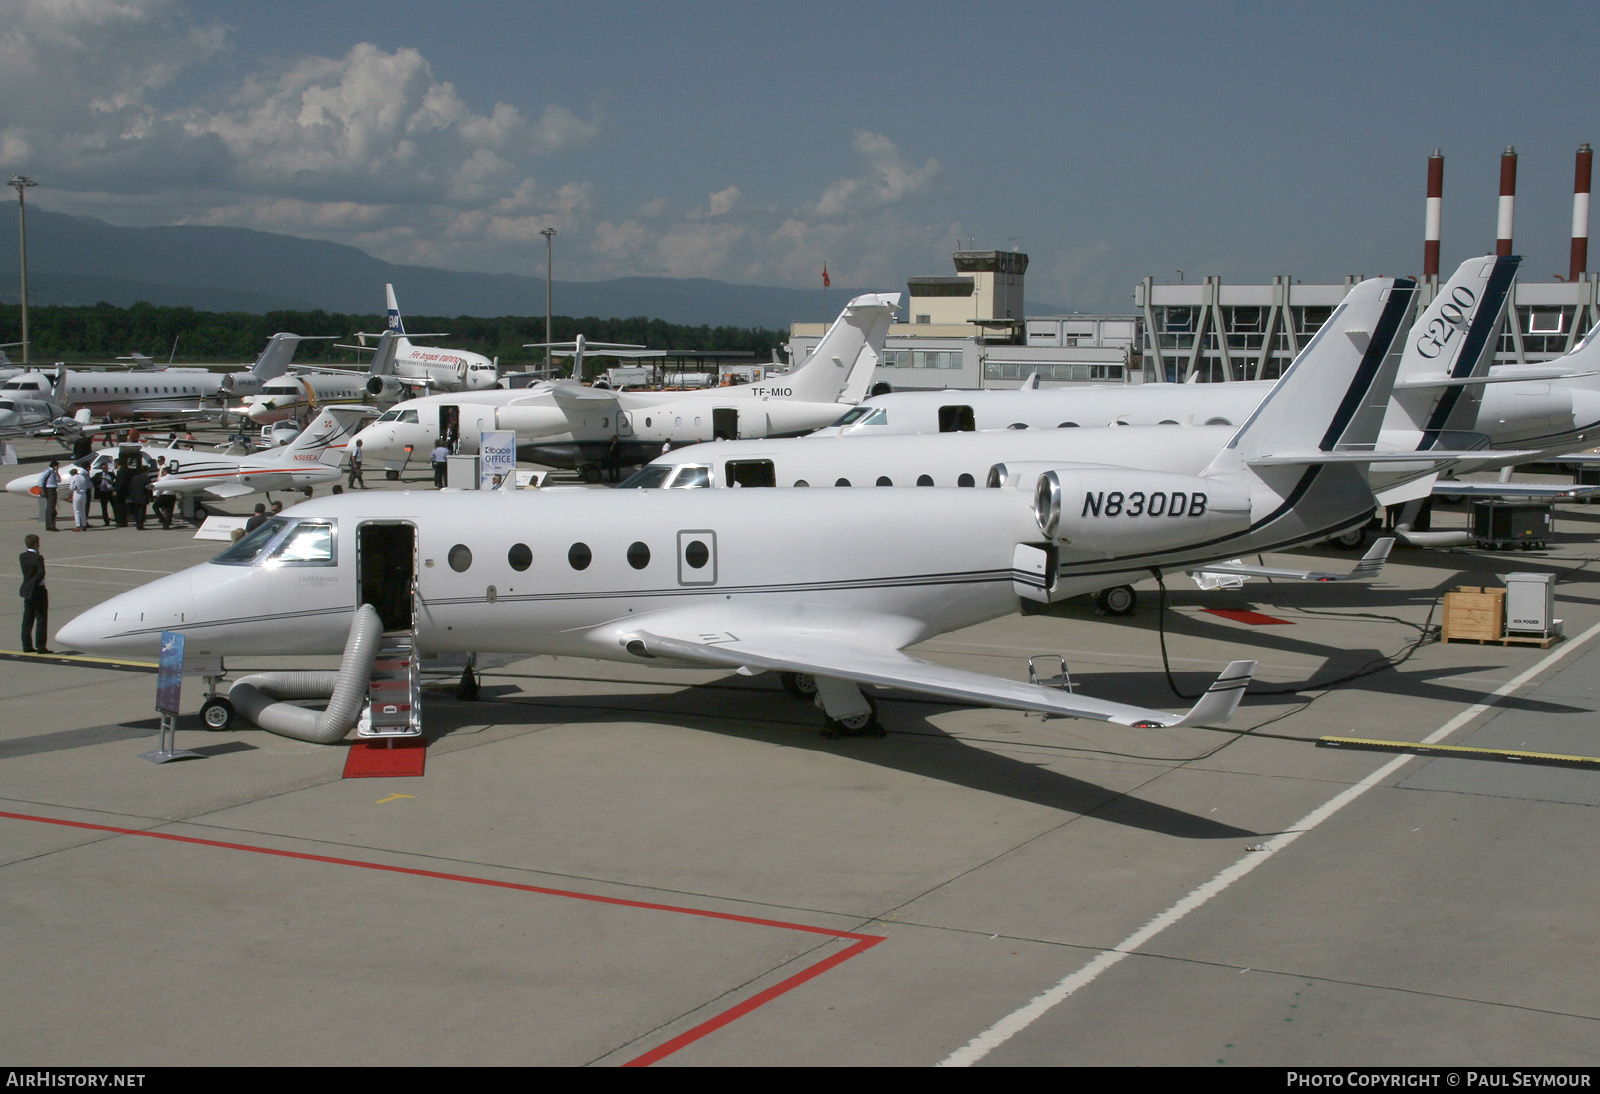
1017, 1021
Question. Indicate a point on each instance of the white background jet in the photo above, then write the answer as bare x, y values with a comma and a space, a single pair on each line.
568, 425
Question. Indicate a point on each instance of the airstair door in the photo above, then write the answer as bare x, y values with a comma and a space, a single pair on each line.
386, 567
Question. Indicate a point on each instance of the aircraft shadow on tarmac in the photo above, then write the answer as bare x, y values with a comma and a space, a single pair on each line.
1337, 661
757, 710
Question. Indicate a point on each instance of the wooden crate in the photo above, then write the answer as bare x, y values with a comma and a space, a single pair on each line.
1474, 614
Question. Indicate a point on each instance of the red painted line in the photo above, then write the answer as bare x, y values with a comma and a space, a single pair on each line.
711, 1024
863, 942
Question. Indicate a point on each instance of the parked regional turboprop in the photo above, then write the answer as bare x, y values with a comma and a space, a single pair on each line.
820, 585
567, 425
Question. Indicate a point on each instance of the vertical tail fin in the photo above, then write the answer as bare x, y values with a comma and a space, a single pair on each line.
396, 324
1452, 339
274, 360
1336, 392
840, 368
383, 354
327, 433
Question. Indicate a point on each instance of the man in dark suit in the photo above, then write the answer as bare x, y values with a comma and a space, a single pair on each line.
35, 600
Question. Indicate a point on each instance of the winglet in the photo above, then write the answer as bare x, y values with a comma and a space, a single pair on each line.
1218, 703
1371, 564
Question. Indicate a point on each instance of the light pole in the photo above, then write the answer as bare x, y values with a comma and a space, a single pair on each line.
22, 182
548, 233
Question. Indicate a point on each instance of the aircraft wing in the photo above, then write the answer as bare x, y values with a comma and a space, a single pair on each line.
1369, 566
824, 655
581, 398
224, 490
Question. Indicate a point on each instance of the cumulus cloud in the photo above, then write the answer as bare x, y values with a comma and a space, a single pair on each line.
323, 146
376, 148
886, 180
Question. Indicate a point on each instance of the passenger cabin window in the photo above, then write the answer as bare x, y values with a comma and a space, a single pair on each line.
884, 480
460, 558
638, 555
956, 419
579, 556
924, 480
966, 480
520, 557
750, 473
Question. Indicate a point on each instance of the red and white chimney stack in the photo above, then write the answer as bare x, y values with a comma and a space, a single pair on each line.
1508, 200
1435, 214
1580, 212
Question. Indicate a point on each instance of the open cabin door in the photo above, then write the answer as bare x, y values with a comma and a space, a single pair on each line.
386, 562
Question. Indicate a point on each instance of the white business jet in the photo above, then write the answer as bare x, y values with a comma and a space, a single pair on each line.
568, 425
819, 585
862, 454
144, 392
311, 459
1446, 386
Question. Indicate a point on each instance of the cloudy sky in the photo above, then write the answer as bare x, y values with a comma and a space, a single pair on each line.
754, 141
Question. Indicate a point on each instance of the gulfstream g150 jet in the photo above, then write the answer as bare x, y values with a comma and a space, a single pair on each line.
826, 584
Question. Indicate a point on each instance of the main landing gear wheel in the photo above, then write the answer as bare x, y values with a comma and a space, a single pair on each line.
217, 713
856, 725
802, 685
392, 476
1117, 600
1353, 540
591, 474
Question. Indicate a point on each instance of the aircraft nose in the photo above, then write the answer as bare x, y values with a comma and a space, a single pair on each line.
131, 624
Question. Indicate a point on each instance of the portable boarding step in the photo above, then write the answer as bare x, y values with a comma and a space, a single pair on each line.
395, 694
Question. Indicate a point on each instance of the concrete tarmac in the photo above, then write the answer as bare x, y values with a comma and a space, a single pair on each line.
608, 865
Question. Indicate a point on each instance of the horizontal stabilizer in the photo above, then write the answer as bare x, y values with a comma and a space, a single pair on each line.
1435, 456
1370, 565
1524, 373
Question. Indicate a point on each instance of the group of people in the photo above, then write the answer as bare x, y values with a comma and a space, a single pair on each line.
125, 490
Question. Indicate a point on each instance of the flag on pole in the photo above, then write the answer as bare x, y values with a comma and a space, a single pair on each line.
825, 282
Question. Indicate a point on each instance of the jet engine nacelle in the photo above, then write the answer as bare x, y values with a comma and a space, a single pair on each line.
1116, 511
385, 389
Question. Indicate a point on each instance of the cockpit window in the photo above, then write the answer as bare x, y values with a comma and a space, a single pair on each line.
309, 544
244, 552
405, 417
691, 475
649, 477
853, 415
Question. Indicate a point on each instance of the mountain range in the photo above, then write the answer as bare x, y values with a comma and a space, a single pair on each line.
80, 260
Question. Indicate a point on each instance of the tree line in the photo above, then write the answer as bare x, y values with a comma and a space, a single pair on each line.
186, 336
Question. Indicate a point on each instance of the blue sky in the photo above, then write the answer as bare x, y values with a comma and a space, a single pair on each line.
752, 142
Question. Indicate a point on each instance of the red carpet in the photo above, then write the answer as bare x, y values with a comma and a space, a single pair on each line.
1255, 619
386, 759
